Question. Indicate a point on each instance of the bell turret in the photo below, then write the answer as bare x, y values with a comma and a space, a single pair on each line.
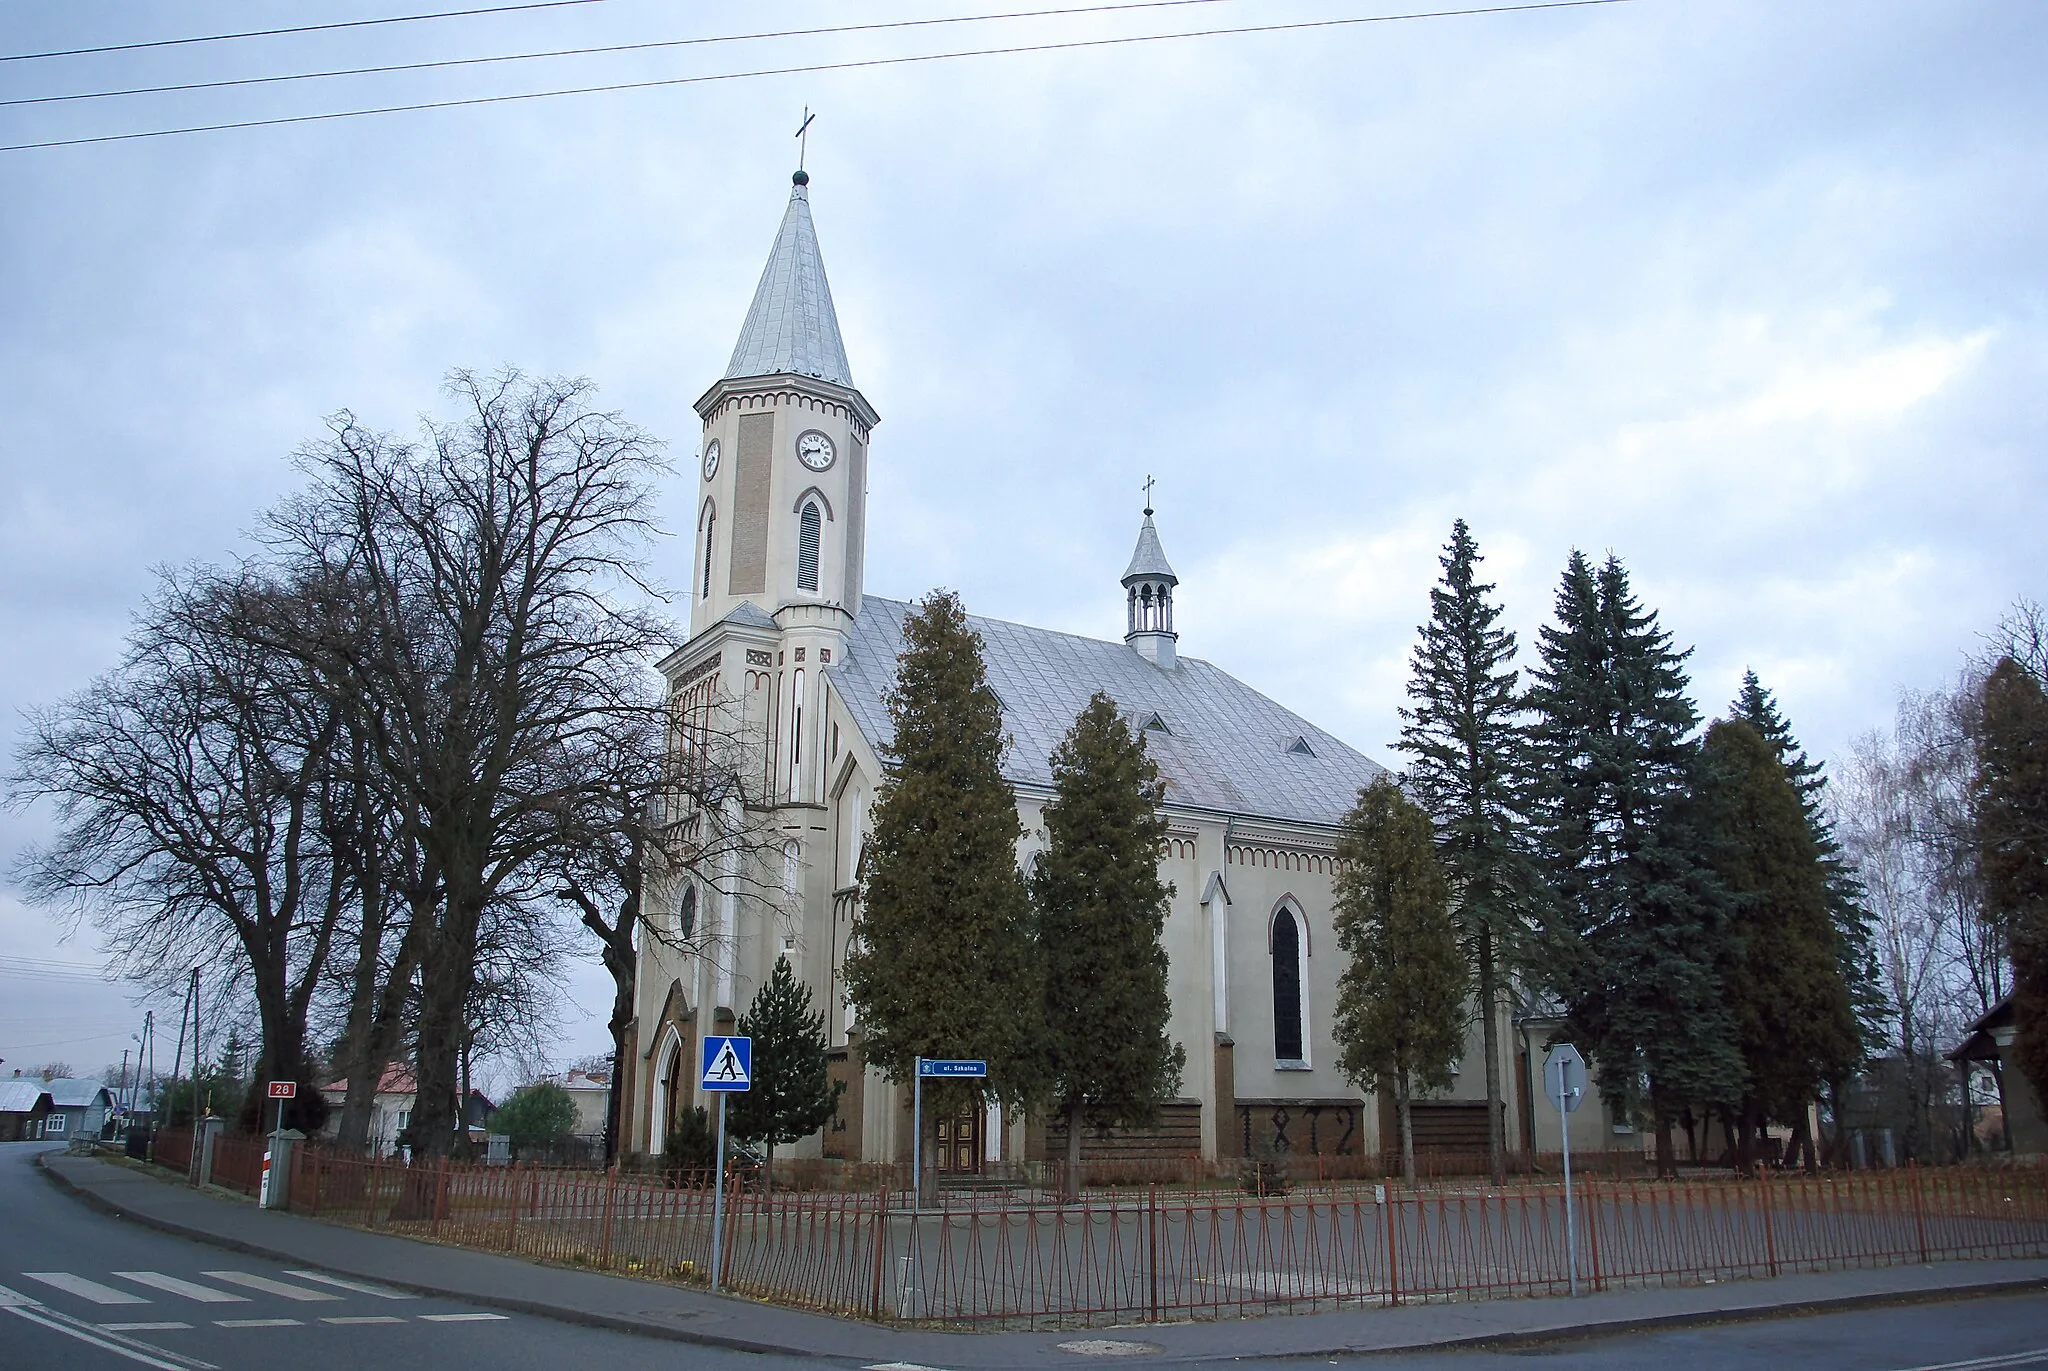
1148, 594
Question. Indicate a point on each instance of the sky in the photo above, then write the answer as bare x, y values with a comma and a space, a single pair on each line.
1750, 294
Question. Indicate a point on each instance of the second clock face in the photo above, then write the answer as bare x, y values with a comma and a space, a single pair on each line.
815, 450
711, 455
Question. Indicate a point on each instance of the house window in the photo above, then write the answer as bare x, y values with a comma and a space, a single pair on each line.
54, 1125
404, 1119
1286, 987
807, 548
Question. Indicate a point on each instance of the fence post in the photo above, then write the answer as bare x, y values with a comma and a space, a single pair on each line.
1152, 1258
514, 1202
440, 1193
1763, 1192
1919, 1208
376, 1185
881, 1245
611, 1186
1393, 1249
1591, 1200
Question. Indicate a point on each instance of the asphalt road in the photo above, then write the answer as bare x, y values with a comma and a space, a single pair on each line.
82, 1290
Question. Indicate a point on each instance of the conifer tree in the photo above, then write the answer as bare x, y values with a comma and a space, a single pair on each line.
1757, 707
1781, 963
1401, 997
1463, 734
941, 963
1632, 934
1100, 910
792, 1094
2012, 828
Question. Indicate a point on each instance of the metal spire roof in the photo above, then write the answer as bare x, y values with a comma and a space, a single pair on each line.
1149, 561
791, 326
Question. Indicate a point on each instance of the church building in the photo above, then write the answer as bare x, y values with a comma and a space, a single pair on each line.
790, 656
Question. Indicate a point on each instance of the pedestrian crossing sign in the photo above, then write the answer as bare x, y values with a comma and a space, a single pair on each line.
728, 1063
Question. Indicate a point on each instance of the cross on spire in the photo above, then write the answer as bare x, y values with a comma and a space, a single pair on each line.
803, 137
1148, 495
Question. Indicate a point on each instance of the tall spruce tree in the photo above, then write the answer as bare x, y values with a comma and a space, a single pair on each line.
1100, 910
1632, 935
1781, 965
792, 1094
942, 961
1464, 737
1756, 706
1401, 996
2011, 804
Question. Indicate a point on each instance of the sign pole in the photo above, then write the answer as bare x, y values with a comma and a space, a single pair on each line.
718, 1198
1571, 1231
917, 1136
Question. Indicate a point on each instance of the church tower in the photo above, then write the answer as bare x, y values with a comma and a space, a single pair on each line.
782, 492
1148, 594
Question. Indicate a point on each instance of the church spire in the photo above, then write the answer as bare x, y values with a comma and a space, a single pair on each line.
1148, 593
791, 327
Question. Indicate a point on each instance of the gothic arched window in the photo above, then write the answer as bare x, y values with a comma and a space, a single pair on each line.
710, 521
686, 913
1286, 986
807, 548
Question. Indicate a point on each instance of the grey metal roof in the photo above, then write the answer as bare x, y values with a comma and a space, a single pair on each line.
749, 614
1224, 745
1149, 560
73, 1092
791, 326
19, 1097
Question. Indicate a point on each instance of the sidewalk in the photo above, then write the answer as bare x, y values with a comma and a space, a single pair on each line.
666, 1311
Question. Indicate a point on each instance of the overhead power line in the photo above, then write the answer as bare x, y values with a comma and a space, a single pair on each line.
302, 28
812, 69
833, 31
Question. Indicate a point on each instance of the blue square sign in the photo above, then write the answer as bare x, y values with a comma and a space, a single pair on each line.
728, 1064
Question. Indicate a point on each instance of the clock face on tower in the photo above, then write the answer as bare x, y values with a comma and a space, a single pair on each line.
815, 450
711, 455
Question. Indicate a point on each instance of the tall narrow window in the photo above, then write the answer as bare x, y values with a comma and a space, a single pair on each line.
710, 522
686, 914
1286, 987
796, 732
807, 548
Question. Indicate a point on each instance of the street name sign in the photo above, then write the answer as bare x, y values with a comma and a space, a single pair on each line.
728, 1064
941, 1066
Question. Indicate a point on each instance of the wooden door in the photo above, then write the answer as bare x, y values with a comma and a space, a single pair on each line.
960, 1143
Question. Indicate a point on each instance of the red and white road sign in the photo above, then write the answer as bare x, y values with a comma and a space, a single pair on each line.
283, 1090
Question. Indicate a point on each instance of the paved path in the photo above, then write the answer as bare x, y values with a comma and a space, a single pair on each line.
650, 1308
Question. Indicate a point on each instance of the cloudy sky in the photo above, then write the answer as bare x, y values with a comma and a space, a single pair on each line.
1749, 293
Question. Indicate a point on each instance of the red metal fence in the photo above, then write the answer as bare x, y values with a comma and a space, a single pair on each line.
1019, 1258
172, 1147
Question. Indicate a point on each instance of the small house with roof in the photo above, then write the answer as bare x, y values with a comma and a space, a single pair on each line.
788, 652
79, 1108
24, 1106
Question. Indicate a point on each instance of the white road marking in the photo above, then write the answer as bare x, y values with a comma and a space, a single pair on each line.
360, 1287
259, 1323
269, 1286
117, 1343
900, 1366
461, 1318
83, 1288
142, 1327
9, 1299
2039, 1354
205, 1294
362, 1318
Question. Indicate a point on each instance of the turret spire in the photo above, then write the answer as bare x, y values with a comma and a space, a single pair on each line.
1148, 592
791, 327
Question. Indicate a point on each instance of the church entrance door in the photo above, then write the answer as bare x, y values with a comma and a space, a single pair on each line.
960, 1143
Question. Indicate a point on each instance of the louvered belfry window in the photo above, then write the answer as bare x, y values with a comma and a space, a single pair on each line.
807, 548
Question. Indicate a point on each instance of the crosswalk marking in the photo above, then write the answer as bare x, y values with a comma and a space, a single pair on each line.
460, 1318
259, 1323
203, 1293
360, 1287
83, 1288
269, 1286
362, 1318
158, 1327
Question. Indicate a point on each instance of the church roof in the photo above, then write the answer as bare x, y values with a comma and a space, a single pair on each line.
791, 326
1149, 560
1219, 744
750, 615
